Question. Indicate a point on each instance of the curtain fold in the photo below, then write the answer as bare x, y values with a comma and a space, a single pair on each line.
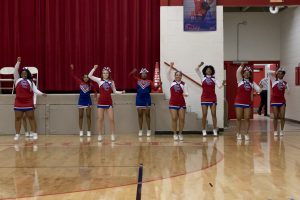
51, 34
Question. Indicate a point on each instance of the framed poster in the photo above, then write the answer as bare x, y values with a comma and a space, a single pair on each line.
200, 15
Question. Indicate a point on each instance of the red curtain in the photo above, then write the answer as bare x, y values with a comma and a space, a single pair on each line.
51, 34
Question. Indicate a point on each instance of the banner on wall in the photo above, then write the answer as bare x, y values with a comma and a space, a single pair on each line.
200, 15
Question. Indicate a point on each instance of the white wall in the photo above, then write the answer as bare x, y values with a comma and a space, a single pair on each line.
259, 39
187, 50
290, 57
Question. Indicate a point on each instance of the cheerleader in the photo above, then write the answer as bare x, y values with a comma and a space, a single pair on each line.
84, 101
208, 97
106, 87
177, 106
243, 100
143, 99
278, 103
24, 103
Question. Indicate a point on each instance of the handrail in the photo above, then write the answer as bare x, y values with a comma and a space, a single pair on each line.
183, 74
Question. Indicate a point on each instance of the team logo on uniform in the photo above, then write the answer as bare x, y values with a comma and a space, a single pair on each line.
106, 85
143, 84
24, 84
85, 88
209, 81
177, 88
247, 86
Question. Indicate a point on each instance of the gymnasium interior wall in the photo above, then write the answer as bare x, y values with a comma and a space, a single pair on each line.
187, 50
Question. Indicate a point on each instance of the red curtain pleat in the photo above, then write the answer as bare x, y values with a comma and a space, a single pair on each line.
51, 34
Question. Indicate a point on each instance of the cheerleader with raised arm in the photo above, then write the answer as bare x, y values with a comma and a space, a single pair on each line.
84, 101
243, 99
24, 101
143, 99
177, 106
278, 103
106, 88
208, 97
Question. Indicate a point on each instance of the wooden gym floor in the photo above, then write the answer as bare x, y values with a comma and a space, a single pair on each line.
67, 167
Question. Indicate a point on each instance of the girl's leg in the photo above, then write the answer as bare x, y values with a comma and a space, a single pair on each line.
239, 115
89, 120
18, 121
247, 113
81, 112
110, 112
204, 118
282, 119
32, 122
140, 116
148, 120
24, 121
275, 120
174, 117
213, 110
100, 123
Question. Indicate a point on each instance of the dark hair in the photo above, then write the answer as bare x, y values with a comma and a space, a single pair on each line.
177, 72
29, 75
207, 67
89, 81
251, 74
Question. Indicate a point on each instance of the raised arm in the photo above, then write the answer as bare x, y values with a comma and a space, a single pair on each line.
169, 76
133, 74
272, 75
197, 69
16, 72
94, 78
239, 73
78, 80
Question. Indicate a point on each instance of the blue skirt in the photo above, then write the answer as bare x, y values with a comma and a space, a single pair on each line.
143, 100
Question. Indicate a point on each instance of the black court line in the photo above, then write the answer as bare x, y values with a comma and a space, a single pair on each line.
139, 183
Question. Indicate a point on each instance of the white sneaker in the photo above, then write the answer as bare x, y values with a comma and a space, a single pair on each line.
140, 133
175, 137
34, 136
238, 136
99, 138
112, 137
247, 138
204, 133
17, 136
27, 134
148, 133
88, 133
180, 137
275, 133
35, 148
281, 133
80, 133
215, 132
